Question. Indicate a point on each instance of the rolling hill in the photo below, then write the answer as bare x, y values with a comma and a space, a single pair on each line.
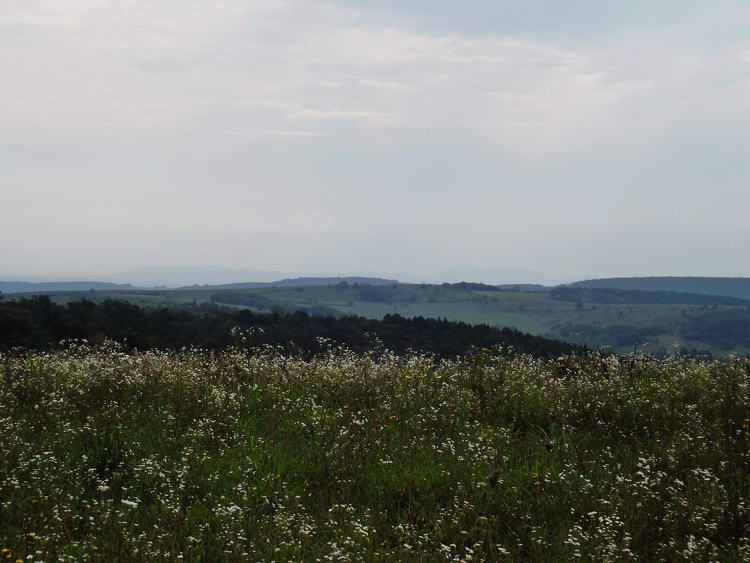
44, 287
298, 282
729, 287
620, 320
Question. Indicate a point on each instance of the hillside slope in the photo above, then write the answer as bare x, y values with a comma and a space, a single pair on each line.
730, 287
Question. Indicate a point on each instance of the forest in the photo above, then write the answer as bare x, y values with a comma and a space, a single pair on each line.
641, 297
39, 323
732, 287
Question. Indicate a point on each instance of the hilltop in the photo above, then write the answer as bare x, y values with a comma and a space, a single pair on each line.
298, 282
44, 287
729, 287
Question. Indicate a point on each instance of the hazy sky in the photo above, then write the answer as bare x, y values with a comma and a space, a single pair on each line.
574, 138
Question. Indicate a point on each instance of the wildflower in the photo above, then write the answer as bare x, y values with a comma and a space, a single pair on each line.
129, 502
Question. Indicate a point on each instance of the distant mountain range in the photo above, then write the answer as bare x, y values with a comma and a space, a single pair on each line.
177, 276
44, 287
298, 282
181, 276
218, 277
729, 287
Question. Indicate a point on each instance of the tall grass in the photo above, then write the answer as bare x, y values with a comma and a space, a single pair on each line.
198, 456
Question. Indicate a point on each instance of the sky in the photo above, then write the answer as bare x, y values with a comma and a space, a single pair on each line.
576, 139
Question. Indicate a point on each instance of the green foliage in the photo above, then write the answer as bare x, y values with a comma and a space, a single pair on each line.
40, 323
730, 287
260, 302
640, 297
609, 335
374, 294
256, 456
473, 286
723, 329
528, 311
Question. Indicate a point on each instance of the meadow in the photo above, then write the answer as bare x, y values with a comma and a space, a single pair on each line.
251, 454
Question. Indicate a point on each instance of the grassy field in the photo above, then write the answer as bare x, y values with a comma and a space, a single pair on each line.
248, 455
529, 311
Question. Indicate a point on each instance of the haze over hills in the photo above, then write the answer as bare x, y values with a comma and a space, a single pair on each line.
221, 277
43, 287
495, 276
618, 319
183, 276
235, 278
298, 282
176, 276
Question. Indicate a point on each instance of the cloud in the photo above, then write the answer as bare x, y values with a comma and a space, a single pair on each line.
298, 112
316, 119
99, 68
165, 65
385, 85
188, 68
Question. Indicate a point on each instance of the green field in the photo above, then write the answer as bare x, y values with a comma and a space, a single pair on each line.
530, 311
252, 456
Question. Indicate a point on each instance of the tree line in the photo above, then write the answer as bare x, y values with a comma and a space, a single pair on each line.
39, 323
641, 297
